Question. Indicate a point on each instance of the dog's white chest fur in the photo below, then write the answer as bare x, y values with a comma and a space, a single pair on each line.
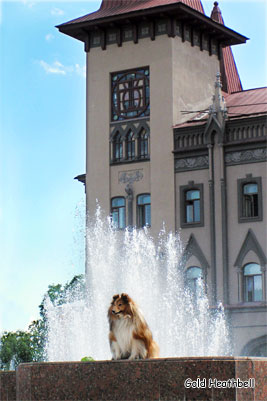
123, 330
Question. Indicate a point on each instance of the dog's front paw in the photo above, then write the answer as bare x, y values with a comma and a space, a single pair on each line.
133, 357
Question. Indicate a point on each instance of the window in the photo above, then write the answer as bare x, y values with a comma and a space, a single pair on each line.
130, 146
249, 199
252, 282
161, 27
95, 41
191, 205
118, 212
143, 152
143, 210
187, 33
144, 30
130, 94
193, 281
112, 36
117, 148
128, 34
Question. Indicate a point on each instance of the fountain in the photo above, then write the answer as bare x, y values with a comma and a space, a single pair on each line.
132, 262
188, 332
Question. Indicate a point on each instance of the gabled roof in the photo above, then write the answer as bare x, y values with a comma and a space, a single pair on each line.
230, 78
243, 104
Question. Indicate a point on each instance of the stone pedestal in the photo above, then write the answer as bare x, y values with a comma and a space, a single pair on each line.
8, 386
146, 380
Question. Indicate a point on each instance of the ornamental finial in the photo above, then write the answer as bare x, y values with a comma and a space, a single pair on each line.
218, 107
216, 14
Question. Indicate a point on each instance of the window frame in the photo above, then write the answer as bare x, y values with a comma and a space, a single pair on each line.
138, 207
241, 182
118, 207
183, 190
245, 288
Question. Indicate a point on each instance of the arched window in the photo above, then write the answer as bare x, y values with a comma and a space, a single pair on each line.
193, 280
143, 150
192, 206
117, 148
260, 350
252, 282
250, 200
250, 206
130, 146
143, 210
256, 347
118, 212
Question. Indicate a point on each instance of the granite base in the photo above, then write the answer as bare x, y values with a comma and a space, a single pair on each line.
8, 386
144, 380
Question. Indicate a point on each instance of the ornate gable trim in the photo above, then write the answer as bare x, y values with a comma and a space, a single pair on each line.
213, 126
250, 244
193, 249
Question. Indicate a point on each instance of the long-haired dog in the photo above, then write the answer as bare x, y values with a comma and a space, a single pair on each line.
129, 336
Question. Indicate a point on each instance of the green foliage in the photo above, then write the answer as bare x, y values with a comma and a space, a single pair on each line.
87, 359
59, 294
16, 347
29, 346
38, 331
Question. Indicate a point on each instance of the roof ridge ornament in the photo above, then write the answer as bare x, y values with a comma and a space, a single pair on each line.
216, 13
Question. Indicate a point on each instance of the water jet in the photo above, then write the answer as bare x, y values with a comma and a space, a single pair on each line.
150, 271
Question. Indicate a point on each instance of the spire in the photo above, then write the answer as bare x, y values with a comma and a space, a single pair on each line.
217, 114
218, 107
230, 78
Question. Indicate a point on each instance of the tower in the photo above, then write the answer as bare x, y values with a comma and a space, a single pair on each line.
147, 62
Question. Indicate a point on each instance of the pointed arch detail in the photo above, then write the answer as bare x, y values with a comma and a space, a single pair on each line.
193, 249
250, 244
213, 127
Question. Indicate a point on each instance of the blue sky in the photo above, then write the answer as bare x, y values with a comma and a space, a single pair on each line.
42, 142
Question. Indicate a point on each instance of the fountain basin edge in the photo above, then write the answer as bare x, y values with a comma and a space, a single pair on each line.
142, 380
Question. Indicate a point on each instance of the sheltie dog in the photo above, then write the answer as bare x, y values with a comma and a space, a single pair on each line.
129, 336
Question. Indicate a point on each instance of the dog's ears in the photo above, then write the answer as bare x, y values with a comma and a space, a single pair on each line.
125, 298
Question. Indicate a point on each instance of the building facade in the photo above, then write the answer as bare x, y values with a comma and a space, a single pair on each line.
173, 138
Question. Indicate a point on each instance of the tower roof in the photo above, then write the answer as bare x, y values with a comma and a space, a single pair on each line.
230, 78
117, 13
110, 8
